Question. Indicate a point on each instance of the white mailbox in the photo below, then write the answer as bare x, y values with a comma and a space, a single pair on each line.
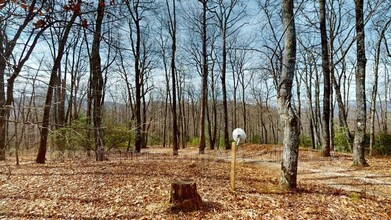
239, 135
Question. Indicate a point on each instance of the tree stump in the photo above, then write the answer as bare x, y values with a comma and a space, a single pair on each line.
184, 196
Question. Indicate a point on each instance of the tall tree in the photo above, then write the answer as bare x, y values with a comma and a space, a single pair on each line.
226, 17
359, 137
172, 30
137, 10
325, 152
77, 71
372, 109
339, 46
241, 78
134, 7
8, 43
97, 83
213, 91
163, 43
41, 156
289, 119
204, 75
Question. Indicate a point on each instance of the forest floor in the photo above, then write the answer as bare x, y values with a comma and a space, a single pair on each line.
138, 186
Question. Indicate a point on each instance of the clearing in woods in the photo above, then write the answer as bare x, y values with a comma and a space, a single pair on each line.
138, 186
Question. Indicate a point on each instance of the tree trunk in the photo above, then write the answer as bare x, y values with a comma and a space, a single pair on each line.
224, 91
138, 142
342, 113
184, 122
317, 117
325, 152
374, 90
89, 116
3, 111
3, 145
311, 114
212, 116
97, 85
244, 108
41, 156
289, 120
7, 46
359, 138
332, 131
61, 94
313, 143
144, 134
386, 95
385, 111
166, 103
184, 196
172, 31
204, 66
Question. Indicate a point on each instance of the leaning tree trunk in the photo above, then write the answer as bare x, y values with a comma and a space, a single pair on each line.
7, 46
359, 138
41, 156
289, 120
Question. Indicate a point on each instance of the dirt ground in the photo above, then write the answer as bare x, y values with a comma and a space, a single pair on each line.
336, 171
128, 186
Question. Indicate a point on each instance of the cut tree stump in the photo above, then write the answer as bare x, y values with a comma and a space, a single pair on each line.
184, 196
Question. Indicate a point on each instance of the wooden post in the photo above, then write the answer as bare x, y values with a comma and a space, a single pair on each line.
233, 165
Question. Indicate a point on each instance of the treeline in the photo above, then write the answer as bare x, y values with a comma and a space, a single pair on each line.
102, 75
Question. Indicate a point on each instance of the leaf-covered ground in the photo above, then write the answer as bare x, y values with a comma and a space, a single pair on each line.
138, 187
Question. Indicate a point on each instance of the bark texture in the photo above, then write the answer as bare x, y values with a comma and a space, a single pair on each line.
184, 196
288, 118
97, 85
359, 138
326, 82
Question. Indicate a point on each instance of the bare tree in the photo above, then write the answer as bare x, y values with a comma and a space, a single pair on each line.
97, 83
7, 46
239, 60
340, 42
359, 137
288, 117
326, 82
372, 109
172, 30
77, 71
163, 43
310, 79
226, 17
137, 19
204, 74
213, 90
41, 156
